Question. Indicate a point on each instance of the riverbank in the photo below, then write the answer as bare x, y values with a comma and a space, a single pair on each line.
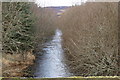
29, 31
13, 66
90, 50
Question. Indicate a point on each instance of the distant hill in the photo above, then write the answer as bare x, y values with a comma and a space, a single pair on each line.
58, 9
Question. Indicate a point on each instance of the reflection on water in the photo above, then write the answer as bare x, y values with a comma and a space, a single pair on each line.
51, 63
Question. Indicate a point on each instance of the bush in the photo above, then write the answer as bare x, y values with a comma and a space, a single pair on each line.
90, 34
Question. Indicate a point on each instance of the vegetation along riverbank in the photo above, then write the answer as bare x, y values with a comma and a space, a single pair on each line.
90, 38
85, 42
24, 26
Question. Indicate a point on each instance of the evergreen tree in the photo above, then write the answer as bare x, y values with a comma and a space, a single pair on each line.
17, 27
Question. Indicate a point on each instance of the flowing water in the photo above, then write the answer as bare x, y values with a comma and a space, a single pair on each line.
51, 63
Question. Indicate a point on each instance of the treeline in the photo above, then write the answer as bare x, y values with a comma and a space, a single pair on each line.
90, 38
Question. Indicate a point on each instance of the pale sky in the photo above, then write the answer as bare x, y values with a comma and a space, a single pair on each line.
46, 3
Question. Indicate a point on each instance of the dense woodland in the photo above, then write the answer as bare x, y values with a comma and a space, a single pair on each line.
90, 34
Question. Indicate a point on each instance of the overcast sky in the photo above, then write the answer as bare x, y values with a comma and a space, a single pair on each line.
46, 3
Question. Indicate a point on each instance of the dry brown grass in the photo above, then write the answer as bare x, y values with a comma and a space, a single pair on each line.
90, 34
14, 64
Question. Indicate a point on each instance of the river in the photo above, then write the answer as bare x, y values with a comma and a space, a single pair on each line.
51, 63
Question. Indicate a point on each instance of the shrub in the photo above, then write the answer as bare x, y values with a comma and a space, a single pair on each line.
90, 38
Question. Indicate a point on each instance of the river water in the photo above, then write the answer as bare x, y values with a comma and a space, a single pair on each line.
51, 63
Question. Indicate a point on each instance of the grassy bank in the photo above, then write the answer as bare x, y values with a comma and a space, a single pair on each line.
90, 38
14, 66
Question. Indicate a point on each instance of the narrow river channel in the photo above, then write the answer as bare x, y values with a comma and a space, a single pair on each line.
51, 63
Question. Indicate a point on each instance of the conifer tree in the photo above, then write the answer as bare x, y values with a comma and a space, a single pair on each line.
17, 27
